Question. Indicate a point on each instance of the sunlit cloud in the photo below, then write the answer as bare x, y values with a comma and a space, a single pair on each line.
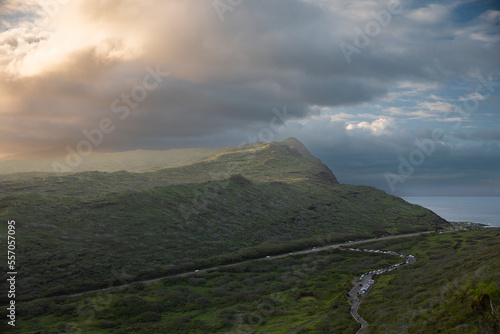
62, 67
378, 127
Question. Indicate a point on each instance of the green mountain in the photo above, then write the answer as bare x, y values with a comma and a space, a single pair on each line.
288, 161
93, 229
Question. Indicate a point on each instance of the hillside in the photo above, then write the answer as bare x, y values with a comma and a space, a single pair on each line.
144, 160
453, 288
94, 229
448, 290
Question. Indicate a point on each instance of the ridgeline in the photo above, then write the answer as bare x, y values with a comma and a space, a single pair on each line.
108, 225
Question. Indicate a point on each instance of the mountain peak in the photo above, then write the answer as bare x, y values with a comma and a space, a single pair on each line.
293, 142
286, 161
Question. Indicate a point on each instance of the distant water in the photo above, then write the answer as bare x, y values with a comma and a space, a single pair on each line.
484, 210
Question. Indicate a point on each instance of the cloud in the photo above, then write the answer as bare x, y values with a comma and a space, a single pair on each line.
60, 73
487, 134
378, 127
431, 14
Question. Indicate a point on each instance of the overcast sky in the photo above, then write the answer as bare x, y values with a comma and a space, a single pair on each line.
401, 95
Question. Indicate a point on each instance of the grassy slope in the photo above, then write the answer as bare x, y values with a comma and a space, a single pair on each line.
278, 162
77, 231
273, 296
82, 241
255, 297
432, 295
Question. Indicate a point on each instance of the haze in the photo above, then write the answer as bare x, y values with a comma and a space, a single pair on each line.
413, 109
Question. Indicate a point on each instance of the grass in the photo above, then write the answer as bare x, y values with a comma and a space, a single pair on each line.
434, 295
447, 290
93, 230
83, 242
262, 296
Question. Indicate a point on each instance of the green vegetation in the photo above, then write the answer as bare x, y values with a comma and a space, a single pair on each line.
82, 231
83, 243
93, 230
255, 297
273, 162
453, 288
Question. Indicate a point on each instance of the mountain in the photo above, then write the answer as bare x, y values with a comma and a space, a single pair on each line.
81, 230
287, 161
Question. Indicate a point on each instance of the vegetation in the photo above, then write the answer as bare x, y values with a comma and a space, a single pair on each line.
453, 288
93, 230
134, 161
84, 231
255, 297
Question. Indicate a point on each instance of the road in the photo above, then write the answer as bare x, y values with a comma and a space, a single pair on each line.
307, 251
354, 298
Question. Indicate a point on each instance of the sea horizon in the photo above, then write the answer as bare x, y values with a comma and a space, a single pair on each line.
475, 209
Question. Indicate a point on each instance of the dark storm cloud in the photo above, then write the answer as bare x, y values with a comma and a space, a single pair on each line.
225, 77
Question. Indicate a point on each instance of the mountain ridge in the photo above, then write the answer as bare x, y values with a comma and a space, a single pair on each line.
286, 161
80, 228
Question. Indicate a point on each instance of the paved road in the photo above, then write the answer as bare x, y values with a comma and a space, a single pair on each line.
353, 297
307, 251
355, 300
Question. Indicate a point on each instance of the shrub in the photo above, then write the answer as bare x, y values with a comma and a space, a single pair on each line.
149, 317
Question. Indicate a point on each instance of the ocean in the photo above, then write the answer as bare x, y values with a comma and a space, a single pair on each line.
484, 210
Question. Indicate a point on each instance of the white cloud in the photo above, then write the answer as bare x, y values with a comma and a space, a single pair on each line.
378, 127
492, 17
435, 108
473, 96
431, 14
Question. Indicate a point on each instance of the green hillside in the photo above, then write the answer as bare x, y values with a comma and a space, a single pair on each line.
452, 288
80, 231
288, 161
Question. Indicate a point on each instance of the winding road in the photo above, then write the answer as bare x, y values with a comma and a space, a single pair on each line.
307, 251
353, 296
364, 281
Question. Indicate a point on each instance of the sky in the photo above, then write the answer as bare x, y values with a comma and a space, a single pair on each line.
400, 95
